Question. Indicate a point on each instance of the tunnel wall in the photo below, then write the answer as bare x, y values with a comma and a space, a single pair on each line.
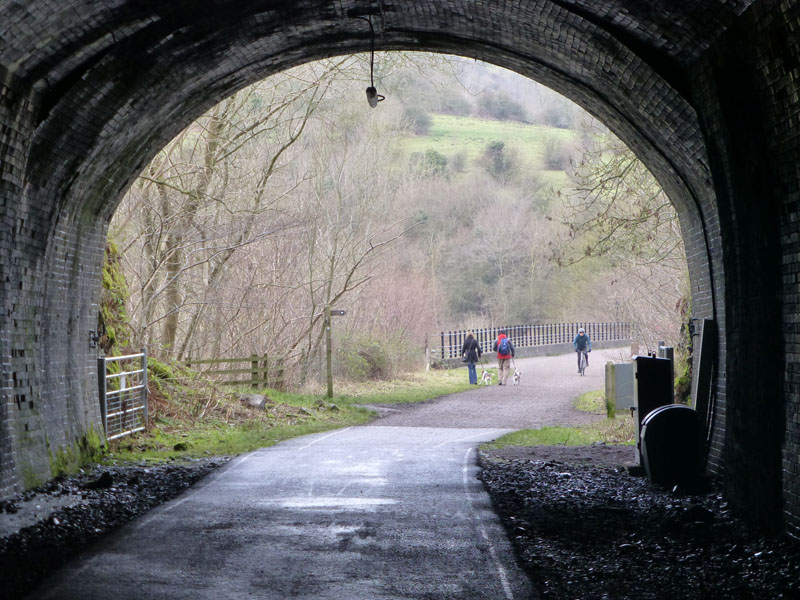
704, 92
50, 264
746, 90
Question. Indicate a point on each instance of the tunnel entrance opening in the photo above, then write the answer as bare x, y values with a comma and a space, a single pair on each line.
496, 200
708, 112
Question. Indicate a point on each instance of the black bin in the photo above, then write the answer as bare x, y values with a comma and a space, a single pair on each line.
652, 388
672, 446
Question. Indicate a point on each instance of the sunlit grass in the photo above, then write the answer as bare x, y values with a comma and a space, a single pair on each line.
607, 431
451, 135
591, 402
619, 430
412, 387
192, 423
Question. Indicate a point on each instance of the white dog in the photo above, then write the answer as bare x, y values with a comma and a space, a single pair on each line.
486, 378
516, 376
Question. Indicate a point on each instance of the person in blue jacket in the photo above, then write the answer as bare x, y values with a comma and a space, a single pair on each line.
582, 343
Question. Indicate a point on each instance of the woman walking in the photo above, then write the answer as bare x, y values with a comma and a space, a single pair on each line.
471, 352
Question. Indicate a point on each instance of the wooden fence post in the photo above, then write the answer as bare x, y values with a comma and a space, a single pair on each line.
265, 366
254, 372
427, 354
281, 378
328, 366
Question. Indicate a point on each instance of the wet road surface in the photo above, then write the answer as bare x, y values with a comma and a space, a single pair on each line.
362, 513
388, 511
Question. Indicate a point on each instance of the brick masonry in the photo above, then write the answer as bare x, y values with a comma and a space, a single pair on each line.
705, 92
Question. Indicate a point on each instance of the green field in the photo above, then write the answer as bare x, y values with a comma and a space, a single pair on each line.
450, 135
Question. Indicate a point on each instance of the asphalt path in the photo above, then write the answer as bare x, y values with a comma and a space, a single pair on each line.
544, 396
392, 510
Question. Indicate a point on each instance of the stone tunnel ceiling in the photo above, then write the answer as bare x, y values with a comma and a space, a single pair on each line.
702, 91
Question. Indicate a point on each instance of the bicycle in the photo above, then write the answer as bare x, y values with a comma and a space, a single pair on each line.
582, 360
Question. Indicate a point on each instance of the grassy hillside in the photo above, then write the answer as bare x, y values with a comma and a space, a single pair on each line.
450, 135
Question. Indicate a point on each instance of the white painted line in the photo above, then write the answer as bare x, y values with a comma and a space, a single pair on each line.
324, 437
501, 571
471, 437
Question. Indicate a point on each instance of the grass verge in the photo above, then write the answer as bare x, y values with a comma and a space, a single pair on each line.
591, 402
191, 418
607, 431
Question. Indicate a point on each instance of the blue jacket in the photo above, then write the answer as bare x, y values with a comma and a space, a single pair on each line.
582, 342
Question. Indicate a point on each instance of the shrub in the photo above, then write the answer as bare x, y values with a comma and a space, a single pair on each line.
363, 359
417, 119
501, 106
499, 161
429, 163
556, 154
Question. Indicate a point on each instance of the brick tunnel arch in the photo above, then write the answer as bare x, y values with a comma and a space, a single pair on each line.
703, 93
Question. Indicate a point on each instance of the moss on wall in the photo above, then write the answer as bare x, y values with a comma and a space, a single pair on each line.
69, 459
30, 478
113, 325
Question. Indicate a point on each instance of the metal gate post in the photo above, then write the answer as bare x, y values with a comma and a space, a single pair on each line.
145, 391
101, 385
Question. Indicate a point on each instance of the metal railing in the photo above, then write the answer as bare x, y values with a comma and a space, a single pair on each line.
123, 393
527, 336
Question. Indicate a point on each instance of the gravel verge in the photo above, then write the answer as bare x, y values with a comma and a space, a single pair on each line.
582, 527
69, 514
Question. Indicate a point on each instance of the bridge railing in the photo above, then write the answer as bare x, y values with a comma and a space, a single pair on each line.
123, 393
447, 344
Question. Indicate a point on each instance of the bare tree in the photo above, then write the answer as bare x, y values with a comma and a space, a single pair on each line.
215, 187
618, 218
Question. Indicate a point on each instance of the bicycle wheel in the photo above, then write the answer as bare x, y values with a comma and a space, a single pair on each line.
583, 363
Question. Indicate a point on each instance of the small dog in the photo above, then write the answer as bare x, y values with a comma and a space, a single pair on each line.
486, 378
517, 374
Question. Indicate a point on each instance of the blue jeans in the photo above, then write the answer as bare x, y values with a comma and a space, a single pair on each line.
473, 374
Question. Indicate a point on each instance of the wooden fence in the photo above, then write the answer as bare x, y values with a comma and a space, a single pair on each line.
447, 344
258, 371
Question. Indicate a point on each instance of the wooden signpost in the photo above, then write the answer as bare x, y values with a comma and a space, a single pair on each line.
329, 312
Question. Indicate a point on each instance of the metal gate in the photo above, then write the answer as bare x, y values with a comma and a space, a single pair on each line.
123, 393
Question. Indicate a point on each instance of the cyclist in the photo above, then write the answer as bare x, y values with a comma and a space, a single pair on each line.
581, 344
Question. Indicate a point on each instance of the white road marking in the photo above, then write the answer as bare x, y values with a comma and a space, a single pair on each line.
501, 571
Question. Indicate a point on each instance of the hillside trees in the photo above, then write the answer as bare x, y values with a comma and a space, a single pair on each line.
276, 202
620, 222
294, 194
209, 194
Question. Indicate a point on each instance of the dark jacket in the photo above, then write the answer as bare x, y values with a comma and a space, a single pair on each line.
497, 345
472, 349
582, 342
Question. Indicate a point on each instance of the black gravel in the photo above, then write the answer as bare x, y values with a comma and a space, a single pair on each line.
584, 531
104, 498
581, 529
